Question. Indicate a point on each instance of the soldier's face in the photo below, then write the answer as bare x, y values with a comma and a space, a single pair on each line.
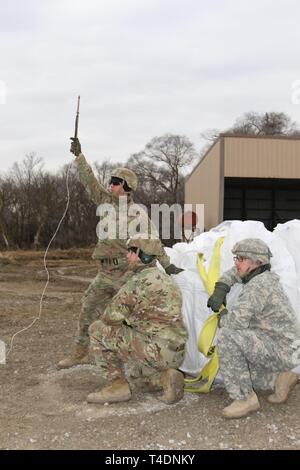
117, 190
244, 265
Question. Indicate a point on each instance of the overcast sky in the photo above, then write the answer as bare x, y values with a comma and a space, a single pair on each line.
142, 67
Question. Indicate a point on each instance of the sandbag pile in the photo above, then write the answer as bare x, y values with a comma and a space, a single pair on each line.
284, 243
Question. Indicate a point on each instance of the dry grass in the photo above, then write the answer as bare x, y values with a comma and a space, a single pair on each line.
7, 257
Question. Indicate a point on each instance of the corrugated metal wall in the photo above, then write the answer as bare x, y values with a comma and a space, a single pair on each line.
262, 157
244, 157
203, 186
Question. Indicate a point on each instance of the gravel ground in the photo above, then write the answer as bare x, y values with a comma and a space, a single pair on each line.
43, 408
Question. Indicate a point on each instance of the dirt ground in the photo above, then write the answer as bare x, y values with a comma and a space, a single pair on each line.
43, 408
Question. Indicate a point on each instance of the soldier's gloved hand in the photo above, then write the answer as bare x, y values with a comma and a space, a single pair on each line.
172, 269
221, 315
218, 296
75, 146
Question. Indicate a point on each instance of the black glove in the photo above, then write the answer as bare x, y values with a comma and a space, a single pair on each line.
218, 296
220, 315
172, 269
75, 146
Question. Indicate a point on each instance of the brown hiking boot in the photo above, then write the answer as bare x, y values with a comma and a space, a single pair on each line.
285, 382
80, 355
116, 391
172, 382
239, 408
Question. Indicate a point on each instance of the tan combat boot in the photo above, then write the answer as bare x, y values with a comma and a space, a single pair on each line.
116, 391
239, 408
285, 382
172, 382
80, 355
145, 386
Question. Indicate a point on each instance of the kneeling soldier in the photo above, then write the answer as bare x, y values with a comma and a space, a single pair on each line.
142, 327
259, 337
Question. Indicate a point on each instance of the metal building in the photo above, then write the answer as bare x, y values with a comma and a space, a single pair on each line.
247, 178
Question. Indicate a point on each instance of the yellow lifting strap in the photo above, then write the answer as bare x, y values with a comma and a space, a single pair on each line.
207, 334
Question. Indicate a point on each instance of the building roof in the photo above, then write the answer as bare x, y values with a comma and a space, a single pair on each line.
251, 136
243, 136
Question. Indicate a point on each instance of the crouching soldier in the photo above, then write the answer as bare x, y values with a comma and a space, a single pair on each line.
143, 328
259, 335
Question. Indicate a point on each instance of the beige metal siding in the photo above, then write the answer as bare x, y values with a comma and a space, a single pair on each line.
262, 158
203, 186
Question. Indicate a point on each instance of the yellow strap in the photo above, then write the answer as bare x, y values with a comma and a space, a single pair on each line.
209, 328
207, 375
207, 334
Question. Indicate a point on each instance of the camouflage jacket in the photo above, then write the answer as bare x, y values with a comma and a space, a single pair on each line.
262, 306
114, 247
150, 302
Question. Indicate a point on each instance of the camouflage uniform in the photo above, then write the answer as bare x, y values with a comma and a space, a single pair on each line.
111, 254
257, 336
142, 327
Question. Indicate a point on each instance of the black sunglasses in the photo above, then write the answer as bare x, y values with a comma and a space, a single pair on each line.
133, 248
115, 181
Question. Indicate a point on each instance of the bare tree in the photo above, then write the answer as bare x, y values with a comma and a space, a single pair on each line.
210, 134
253, 123
271, 123
3, 210
32, 200
159, 167
27, 177
104, 170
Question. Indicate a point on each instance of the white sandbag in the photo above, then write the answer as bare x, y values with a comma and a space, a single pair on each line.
195, 312
290, 234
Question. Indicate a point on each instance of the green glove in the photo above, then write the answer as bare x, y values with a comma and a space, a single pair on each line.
220, 316
218, 296
75, 146
172, 269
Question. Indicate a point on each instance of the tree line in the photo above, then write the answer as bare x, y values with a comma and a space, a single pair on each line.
32, 200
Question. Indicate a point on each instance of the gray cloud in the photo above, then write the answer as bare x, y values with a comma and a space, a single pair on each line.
142, 69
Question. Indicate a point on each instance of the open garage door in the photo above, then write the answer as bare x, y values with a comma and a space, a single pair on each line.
271, 201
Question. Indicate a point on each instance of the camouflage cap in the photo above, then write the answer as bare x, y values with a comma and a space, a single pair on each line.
150, 246
254, 249
127, 175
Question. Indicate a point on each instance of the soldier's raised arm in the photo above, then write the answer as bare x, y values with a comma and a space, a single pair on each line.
98, 193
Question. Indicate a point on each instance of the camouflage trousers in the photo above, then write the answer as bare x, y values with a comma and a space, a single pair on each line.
146, 358
95, 299
250, 360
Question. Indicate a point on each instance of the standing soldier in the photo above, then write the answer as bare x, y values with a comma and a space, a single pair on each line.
110, 253
143, 328
258, 342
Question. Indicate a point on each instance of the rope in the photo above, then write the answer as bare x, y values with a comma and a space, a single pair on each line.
45, 266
